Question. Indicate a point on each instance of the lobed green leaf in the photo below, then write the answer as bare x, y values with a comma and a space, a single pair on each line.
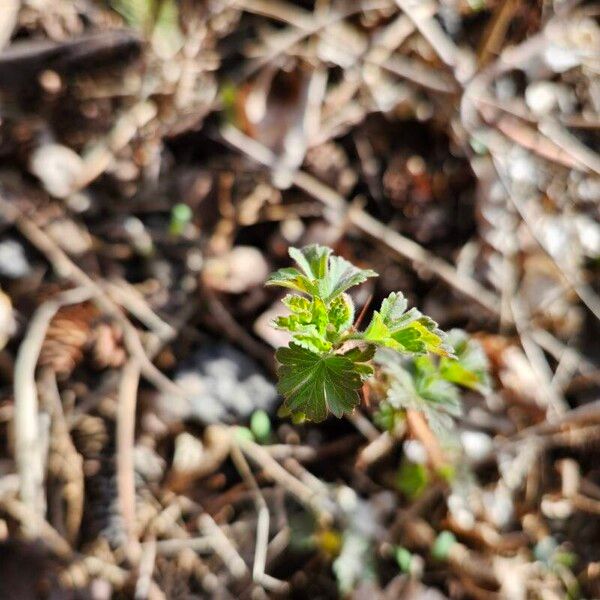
341, 275
313, 384
408, 332
341, 313
312, 260
470, 367
416, 384
292, 278
323, 275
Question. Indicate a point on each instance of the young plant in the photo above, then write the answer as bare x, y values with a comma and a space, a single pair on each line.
323, 368
430, 386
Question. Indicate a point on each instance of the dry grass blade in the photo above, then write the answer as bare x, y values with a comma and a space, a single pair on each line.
125, 451
442, 44
262, 526
66, 268
223, 546
29, 454
277, 473
392, 240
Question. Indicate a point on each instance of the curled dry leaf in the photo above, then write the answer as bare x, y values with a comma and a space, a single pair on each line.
548, 298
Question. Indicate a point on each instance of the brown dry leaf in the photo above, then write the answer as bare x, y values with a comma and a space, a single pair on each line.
107, 346
67, 337
280, 109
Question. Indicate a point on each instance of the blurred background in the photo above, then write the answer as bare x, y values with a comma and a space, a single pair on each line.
158, 158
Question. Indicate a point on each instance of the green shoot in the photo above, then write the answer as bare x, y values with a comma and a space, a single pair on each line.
260, 426
181, 215
430, 386
328, 359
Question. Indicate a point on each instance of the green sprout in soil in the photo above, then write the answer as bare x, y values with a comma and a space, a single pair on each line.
181, 215
328, 359
429, 385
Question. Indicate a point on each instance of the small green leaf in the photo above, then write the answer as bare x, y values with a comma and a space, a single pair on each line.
470, 368
432, 387
387, 417
416, 384
313, 383
421, 336
447, 472
299, 305
360, 355
360, 358
288, 323
324, 276
403, 558
308, 325
243, 434
409, 332
341, 313
393, 308
260, 425
319, 315
442, 545
181, 215
412, 479
341, 276
228, 95
312, 340
291, 278
378, 332
312, 260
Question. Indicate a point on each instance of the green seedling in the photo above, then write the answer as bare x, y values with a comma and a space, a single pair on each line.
260, 426
404, 558
443, 545
328, 359
412, 479
181, 215
429, 385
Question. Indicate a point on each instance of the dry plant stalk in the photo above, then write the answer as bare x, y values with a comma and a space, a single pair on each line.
29, 454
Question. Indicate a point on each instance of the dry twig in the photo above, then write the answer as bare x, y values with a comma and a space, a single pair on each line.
29, 453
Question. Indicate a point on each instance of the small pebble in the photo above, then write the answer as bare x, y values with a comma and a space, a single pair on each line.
13, 262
